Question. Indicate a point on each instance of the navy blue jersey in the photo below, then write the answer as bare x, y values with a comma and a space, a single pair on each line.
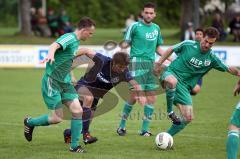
100, 79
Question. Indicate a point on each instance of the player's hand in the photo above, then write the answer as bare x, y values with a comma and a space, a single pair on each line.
157, 69
237, 89
74, 81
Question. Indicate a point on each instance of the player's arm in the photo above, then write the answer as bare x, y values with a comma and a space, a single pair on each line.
85, 51
158, 65
51, 52
165, 56
140, 96
237, 88
234, 71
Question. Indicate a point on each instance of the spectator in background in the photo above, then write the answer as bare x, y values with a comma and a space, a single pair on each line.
129, 21
235, 28
42, 23
52, 22
139, 17
189, 33
33, 21
64, 22
218, 24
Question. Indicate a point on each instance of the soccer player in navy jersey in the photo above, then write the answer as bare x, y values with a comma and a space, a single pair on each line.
104, 75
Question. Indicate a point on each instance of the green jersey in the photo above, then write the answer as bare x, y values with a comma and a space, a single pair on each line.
60, 68
191, 63
143, 39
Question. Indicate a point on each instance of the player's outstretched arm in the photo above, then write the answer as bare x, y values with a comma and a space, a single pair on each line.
234, 71
141, 99
85, 51
52, 49
237, 88
165, 55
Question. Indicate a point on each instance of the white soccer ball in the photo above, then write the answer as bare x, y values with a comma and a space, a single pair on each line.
164, 141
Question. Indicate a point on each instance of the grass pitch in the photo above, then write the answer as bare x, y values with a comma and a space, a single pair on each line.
205, 137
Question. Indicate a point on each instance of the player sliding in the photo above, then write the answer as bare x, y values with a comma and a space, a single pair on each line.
56, 84
193, 62
104, 75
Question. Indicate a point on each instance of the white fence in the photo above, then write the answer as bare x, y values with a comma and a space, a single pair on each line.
20, 56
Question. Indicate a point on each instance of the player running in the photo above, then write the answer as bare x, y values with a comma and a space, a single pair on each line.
193, 62
57, 88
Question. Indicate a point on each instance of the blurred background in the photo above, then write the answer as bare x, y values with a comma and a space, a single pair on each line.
38, 21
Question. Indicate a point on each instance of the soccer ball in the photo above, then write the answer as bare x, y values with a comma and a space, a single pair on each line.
164, 141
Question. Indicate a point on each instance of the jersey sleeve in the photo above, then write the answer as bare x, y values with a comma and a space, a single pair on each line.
160, 39
65, 40
178, 48
129, 33
218, 64
99, 61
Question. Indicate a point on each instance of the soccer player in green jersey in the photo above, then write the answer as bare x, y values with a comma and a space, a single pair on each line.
234, 129
57, 88
193, 62
145, 39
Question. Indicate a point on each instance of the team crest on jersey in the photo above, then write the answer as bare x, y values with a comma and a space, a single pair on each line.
207, 62
115, 80
152, 36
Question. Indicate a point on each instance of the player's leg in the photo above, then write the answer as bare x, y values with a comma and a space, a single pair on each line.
52, 99
127, 108
169, 82
186, 117
232, 143
148, 111
186, 110
76, 124
87, 98
71, 100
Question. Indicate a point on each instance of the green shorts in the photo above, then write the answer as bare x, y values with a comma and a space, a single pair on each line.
142, 71
55, 93
182, 95
235, 119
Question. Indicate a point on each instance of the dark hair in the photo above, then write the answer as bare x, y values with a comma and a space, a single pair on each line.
199, 29
212, 32
85, 22
121, 58
150, 5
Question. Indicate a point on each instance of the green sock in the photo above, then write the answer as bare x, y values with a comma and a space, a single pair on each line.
232, 144
174, 129
76, 128
39, 121
148, 111
170, 94
126, 111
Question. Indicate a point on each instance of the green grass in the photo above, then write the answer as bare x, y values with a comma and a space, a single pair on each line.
204, 138
170, 36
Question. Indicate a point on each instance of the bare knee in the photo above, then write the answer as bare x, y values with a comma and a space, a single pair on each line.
188, 118
151, 99
171, 82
